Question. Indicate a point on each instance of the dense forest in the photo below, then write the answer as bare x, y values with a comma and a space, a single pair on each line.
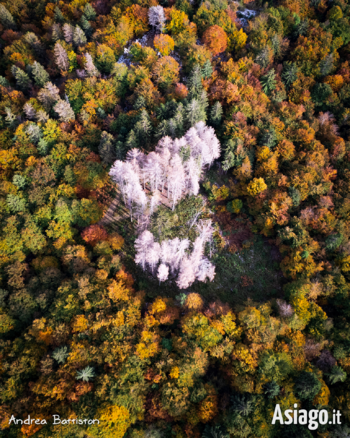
175, 216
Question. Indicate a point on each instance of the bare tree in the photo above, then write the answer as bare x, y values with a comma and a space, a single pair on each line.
156, 17
163, 273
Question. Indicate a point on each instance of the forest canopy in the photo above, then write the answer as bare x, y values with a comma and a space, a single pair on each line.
229, 121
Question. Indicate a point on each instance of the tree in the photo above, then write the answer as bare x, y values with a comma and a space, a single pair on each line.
86, 374
215, 39
216, 114
22, 79
94, 234
68, 32
49, 95
64, 110
6, 18
307, 386
79, 37
163, 272
166, 71
61, 354
164, 44
41, 77
35, 44
156, 17
290, 73
256, 186
61, 57
106, 148
269, 81
214, 432
337, 374
272, 389
89, 66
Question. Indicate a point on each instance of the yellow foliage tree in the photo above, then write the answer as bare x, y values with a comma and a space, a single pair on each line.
114, 422
256, 186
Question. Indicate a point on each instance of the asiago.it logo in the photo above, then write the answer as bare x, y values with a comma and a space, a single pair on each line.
312, 418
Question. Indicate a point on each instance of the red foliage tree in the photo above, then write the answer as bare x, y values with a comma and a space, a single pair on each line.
94, 234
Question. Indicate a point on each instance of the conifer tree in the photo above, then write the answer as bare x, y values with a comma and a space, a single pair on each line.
68, 32
40, 75
143, 127
207, 70
89, 12
61, 57
290, 72
195, 86
6, 18
106, 148
64, 110
90, 66
58, 15
22, 79
29, 111
79, 37
34, 42
57, 33
194, 112
216, 114
48, 95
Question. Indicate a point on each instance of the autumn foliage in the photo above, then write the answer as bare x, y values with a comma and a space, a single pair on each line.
215, 39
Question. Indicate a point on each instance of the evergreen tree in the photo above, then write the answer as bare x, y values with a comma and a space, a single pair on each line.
40, 75
268, 81
140, 102
195, 86
86, 26
86, 374
131, 140
6, 18
143, 127
290, 73
58, 15
326, 65
162, 129
216, 114
106, 148
272, 389
79, 37
207, 70
307, 386
61, 354
22, 79
89, 12
337, 374
34, 42
64, 110
57, 33
214, 432
4, 82
179, 117
194, 113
